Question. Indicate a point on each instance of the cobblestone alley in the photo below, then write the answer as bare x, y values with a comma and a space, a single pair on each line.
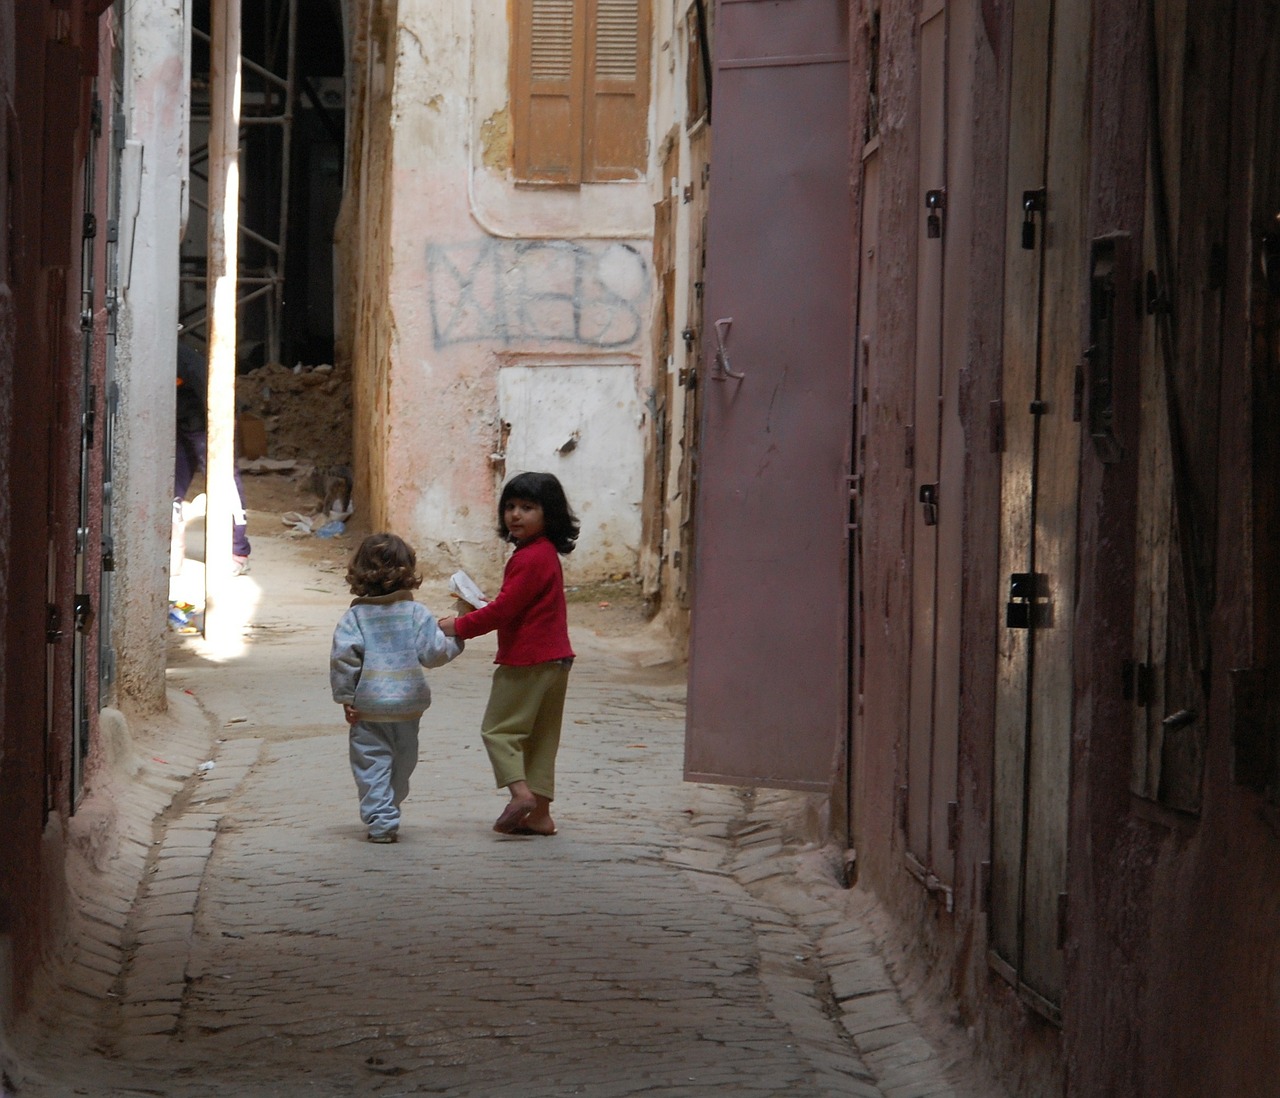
237, 936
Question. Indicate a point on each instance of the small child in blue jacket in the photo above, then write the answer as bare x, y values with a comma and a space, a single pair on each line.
380, 647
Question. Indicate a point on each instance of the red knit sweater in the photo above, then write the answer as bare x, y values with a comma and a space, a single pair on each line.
529, 612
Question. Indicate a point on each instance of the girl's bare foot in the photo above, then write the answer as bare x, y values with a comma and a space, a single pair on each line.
514, 815
533, 824
539, 821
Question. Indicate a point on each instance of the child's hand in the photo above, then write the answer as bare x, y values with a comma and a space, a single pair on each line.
447, 626
349, 711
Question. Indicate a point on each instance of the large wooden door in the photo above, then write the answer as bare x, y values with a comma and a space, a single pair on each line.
943, 233
769, 636
1043, 337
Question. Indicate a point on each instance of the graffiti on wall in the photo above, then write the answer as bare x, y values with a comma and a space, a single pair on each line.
537, 292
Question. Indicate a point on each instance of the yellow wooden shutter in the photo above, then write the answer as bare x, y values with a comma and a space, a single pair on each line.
547, 86
616, 120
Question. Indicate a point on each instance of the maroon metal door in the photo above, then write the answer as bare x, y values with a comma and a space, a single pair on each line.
768, 669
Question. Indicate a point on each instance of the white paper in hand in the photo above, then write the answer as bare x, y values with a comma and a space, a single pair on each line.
464, 587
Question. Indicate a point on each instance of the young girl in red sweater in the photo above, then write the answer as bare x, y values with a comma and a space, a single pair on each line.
521, 726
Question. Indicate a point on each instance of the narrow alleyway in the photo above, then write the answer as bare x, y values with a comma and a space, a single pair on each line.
237, 936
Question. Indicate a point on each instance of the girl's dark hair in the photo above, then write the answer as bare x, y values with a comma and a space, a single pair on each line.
544, 489
384, 563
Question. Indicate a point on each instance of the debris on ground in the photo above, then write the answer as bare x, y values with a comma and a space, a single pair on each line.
306, 410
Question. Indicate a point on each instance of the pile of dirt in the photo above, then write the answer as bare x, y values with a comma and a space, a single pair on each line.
307, 410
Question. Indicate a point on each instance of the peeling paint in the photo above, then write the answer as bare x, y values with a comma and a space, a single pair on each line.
495, 140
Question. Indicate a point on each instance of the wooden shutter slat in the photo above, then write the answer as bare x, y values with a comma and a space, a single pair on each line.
616, 125
617, 34
551, 44
548, 67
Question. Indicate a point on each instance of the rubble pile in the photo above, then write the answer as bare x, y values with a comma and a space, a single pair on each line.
306, 409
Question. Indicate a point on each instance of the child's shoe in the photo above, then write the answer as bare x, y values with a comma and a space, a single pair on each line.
382, 837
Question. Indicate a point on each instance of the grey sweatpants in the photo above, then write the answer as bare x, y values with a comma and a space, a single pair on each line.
383, 756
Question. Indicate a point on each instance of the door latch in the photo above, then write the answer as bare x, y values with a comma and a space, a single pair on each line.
929, 502
1032, 203
935, 202
723, 370
1028, 603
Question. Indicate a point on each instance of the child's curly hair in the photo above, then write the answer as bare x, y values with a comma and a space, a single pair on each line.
561, 525
384, 563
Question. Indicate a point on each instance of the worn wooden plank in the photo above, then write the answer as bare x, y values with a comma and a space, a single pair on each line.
928, 385
958, 243
1027, 120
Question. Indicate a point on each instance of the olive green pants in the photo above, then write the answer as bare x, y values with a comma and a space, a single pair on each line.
521, 726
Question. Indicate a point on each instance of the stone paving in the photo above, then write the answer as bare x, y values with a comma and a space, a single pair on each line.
234, 934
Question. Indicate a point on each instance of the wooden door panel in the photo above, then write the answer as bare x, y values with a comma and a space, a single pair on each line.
868, 305
1027, 124
1057, 477
956, 243
1044, 337
928, 382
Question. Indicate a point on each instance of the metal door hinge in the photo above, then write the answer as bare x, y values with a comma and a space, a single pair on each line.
52, 623
84, 613
108, 555
854, 483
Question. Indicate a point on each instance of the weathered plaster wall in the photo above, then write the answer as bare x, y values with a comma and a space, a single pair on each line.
151, 219
481, 275
361, 240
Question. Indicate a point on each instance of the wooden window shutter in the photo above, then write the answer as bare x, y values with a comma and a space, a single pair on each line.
547, 84
617, 90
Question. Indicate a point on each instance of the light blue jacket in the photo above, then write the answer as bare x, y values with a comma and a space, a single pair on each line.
380, 647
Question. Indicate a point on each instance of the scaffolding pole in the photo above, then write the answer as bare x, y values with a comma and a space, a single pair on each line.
274, 106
